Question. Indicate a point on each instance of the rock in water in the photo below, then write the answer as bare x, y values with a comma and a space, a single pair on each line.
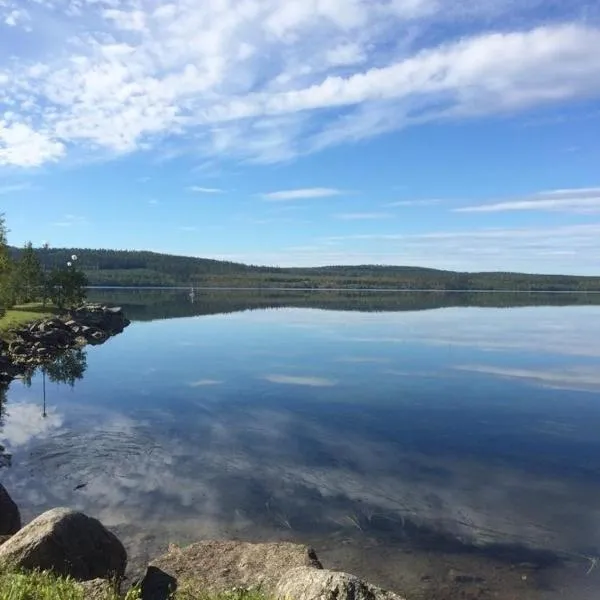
219, 566
311, 584
10, 519
68, 543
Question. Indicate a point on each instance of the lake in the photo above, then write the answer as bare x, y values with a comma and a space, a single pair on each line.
408, 437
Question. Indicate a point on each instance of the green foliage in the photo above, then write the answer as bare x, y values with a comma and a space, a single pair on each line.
69, 367
5, 266
133, 268
27, 276
66, 287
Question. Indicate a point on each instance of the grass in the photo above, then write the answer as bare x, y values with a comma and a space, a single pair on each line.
23, 314
38, 585
44, 586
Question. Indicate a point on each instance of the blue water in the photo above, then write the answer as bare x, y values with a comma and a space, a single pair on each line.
471, 426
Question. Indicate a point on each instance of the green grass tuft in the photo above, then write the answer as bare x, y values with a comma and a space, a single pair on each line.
44, 585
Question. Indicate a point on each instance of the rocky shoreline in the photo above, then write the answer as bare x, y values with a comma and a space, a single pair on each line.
72, 544
43, 341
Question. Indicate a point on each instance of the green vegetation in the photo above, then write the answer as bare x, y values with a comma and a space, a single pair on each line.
22, 314
24, 281
46, 586
137, 269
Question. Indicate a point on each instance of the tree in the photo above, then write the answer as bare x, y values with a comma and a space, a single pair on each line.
66, 287
6, 292
28, 276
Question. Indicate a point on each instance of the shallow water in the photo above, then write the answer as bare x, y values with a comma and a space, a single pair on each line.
405, 444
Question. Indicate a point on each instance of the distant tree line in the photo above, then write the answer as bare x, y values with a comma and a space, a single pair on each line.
142, 268
25, 279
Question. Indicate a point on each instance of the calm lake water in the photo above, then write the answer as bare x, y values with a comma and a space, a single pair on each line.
392, 437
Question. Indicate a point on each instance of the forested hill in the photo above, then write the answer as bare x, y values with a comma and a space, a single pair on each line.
136, 268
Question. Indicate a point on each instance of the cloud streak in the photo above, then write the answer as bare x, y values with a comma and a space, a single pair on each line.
300, 380
583, 201
204, 190
301, 194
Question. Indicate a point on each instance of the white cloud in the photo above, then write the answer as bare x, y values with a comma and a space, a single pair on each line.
21, 146
412, 203
300, 380
570, 378
25, 421
266, 81
301, 194
205, 382
583, 200
364, 216
345, 54
204, 190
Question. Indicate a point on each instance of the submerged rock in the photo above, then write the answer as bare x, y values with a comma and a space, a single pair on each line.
222, 565
304, 583
68, 543
10, 518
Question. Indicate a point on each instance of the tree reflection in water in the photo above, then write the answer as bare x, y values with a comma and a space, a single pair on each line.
67, 368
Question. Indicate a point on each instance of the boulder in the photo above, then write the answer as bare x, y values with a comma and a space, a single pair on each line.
4, 538
217, 566
68, 543
10, 518
303, 583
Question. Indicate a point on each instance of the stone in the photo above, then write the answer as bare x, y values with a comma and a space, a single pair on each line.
157, 585
218, 566
303, 583
4, 538
68, 543
10, 518
97, 589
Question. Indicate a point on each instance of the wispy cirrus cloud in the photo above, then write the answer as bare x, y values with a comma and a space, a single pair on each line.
584, 379
204, 190
366, 216
415, 203
577, 200
301, 194
300, 380
205, 383
115, 78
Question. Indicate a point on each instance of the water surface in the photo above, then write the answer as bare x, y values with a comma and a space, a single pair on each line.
459, 430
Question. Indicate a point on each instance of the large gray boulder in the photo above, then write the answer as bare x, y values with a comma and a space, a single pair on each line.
217, 566
10, 518
301, 583
68, 543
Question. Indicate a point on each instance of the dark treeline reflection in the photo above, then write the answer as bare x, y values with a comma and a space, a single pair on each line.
151, 304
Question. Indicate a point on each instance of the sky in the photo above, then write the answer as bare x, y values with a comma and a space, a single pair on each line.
456, 134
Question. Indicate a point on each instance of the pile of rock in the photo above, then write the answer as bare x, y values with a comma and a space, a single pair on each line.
71, 543
43, 341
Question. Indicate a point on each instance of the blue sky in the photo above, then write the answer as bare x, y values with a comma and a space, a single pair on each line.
446, 133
